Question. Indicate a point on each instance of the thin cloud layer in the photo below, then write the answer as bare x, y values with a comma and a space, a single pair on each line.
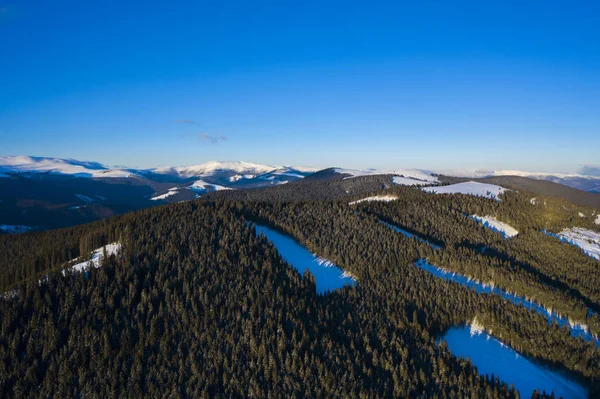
211, 139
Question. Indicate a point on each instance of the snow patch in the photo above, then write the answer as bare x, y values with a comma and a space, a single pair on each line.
494, 224
383, 198
581, 215
14, 228
597, 221
491, 191
533, 201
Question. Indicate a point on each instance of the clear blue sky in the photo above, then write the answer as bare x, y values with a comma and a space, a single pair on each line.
418, 83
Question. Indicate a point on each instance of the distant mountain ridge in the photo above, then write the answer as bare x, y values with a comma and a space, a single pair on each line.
60, 166
584, 182
46, 193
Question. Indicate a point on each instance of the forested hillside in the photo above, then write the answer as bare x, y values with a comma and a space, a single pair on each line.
195, 304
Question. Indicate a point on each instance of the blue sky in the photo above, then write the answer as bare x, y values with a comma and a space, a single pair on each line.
427, 84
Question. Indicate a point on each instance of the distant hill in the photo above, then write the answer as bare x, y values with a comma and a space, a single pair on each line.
541, 187
587, 180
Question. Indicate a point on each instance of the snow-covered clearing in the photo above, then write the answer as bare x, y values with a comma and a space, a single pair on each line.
494, 224
96, 260
492, 357
491, 191
383, 198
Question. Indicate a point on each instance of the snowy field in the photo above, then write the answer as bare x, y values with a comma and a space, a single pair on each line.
587, 240
96, 260
382, 198
491, 356
491, 191
494, 224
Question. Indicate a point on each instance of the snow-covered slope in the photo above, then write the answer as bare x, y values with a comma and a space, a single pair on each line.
31, 165
172, 191
407, 177
201, 185
383, 198
494, 224
587, 240
472, 188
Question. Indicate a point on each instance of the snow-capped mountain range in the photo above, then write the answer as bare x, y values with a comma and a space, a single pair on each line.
235, 171
228, 173
41, 192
